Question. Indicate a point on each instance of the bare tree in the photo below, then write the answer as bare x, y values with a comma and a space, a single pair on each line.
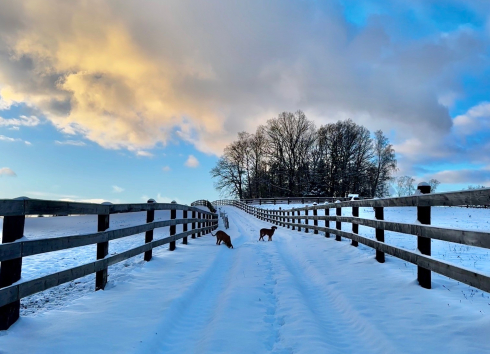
433, 183
384, 165
405, 186
291, 137
289, 157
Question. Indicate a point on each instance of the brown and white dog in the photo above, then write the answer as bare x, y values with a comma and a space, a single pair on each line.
222, 236
268, 232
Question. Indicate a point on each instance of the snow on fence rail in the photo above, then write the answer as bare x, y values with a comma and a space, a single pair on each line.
292, 200
206, 203
424, 232
13, 248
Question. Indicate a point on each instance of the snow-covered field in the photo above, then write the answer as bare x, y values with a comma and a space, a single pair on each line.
301, 293
449, 217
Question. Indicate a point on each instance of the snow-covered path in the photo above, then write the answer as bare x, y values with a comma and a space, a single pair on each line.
301, 293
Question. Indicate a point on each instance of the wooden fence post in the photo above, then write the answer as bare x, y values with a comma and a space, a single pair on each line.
306, 221
193, 224
199, 224
327, 222
315, 221
423, 243
173, 229
338, 224
150, 217
102, 251
293, 227
380, 233
10, 271
299, 220
184, 227
288, 219
355, 227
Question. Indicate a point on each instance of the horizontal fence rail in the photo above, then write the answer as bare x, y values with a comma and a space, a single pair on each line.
14, 248
299, 218
293, 200
206, 203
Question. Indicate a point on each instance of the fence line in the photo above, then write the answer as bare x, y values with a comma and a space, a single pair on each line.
298, 218
293, 200
12, 249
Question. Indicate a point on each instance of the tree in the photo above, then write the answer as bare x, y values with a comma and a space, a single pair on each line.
291, 137
384, 164
290, 157
405, 186
433, 183
228, 178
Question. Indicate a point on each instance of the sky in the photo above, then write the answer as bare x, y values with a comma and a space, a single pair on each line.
127, 100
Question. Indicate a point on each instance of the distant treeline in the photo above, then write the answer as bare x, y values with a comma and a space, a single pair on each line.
289, 156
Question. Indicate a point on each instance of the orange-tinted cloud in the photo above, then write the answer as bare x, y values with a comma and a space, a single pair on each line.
134, 74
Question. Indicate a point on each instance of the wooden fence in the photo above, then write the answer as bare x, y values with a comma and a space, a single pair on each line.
12, 250
299, 218
206, 203
293, 200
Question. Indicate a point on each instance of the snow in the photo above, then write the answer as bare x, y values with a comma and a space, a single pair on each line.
300, 293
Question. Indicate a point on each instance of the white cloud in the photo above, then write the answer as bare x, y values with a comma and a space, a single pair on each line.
465, 176
144, 153
116, 189
11, 140
166, 168
25, 121
474, 120
70, 142
192, 162
178, 81
4, 105
5, 171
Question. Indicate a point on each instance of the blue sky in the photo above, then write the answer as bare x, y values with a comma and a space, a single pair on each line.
109, 100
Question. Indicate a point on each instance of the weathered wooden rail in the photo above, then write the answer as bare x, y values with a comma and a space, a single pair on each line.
205, 203
12, 249
293, 200
299, 218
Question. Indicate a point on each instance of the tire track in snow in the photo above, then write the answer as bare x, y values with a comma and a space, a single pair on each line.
331, 321
274, 342
333, 311
192, 311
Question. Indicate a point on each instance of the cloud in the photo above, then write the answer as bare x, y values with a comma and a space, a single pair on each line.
70, 142
113, 84
25, 121
166, 168
191, 161
5, 171
3, 104
475, 119
68, 198
116, 189
144, 153
12, 140
465, 176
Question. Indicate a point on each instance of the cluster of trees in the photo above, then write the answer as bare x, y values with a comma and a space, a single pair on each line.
405, 185
289, 156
